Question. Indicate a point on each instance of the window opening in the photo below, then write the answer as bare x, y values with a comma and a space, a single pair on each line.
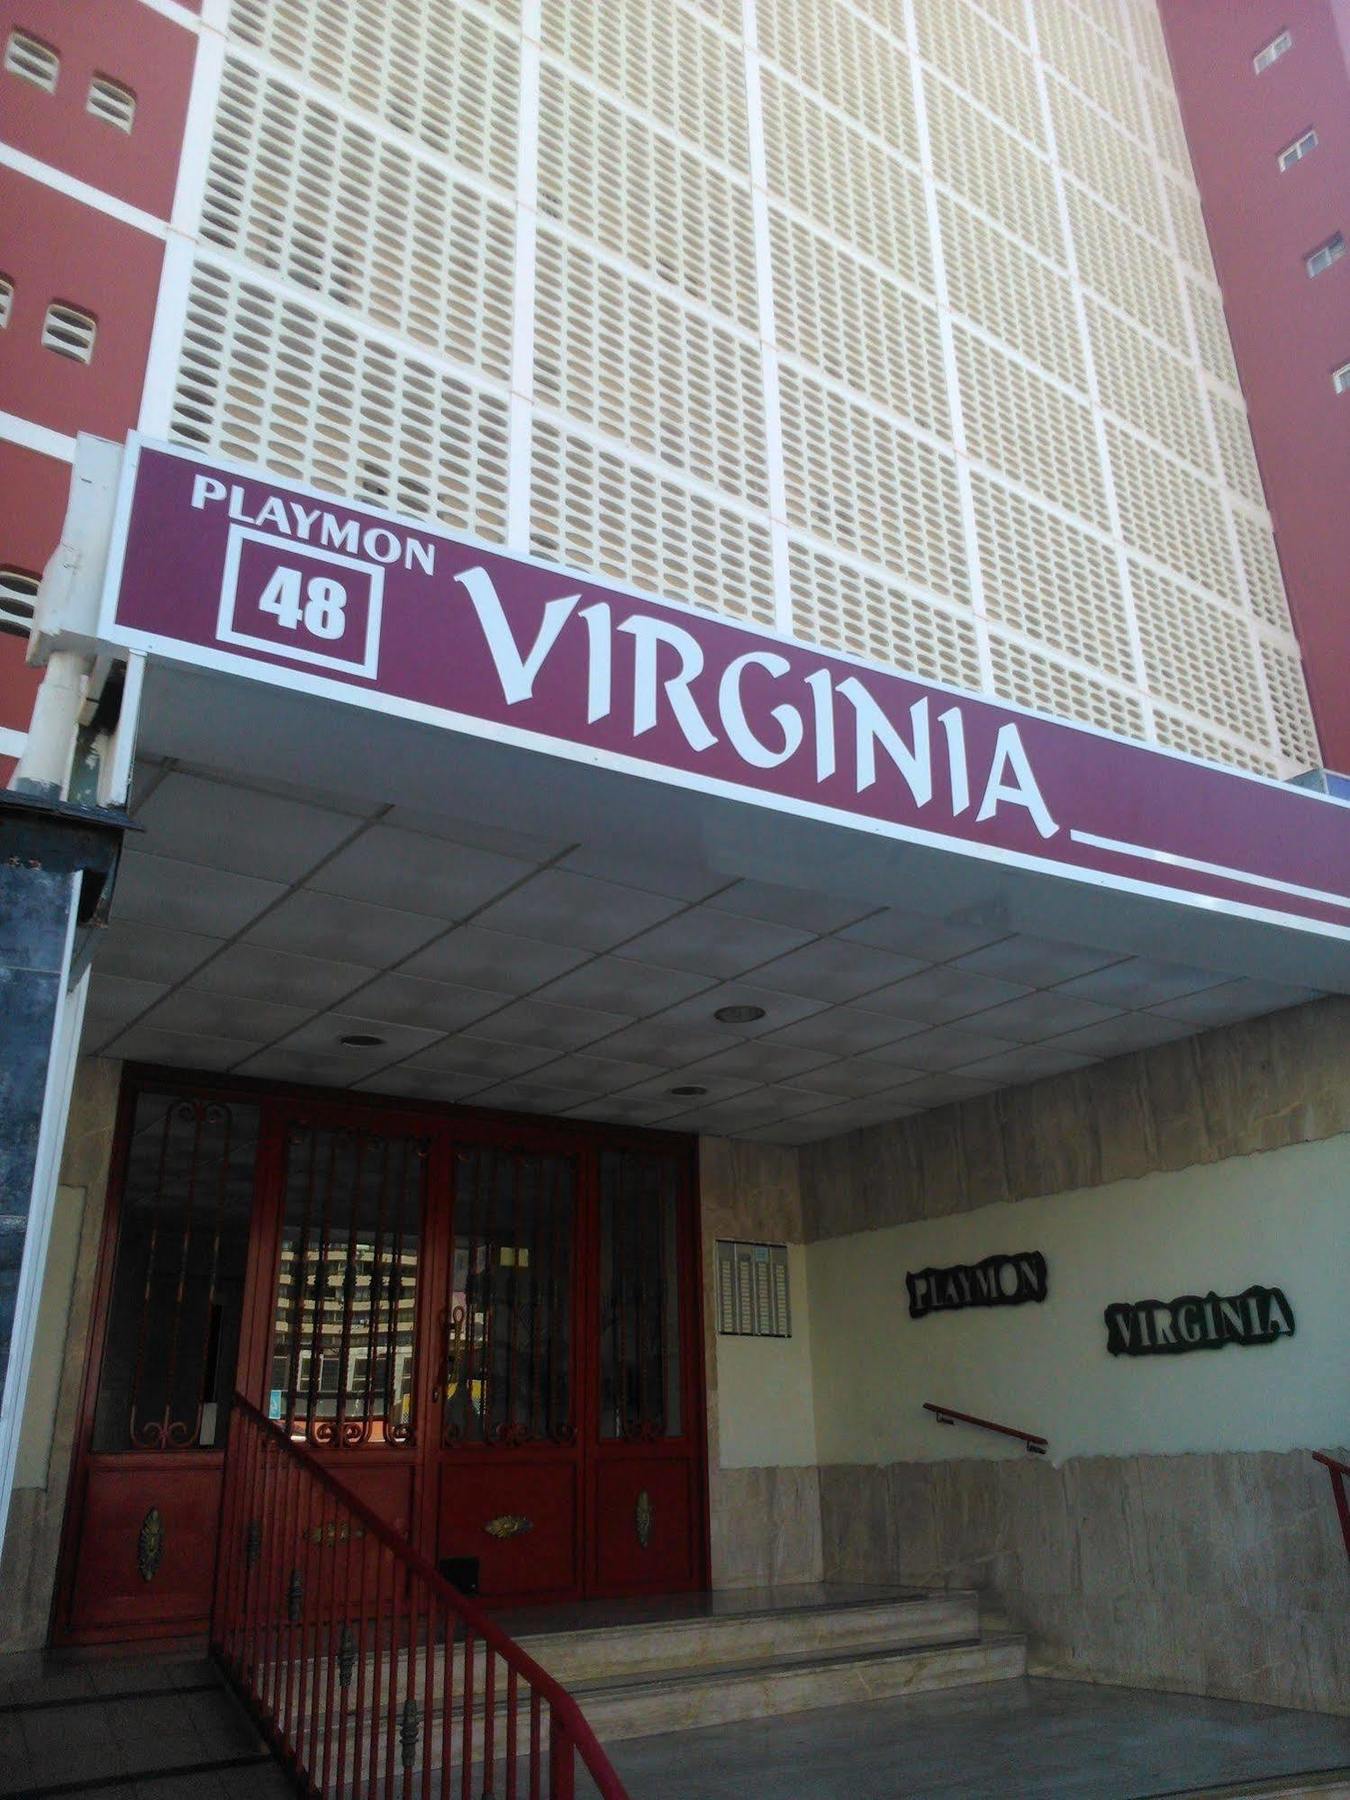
1296, 151
1340, 379
1326, 254
18, 595
6, 300
32, 60
69, 332
1273, 51
110, 101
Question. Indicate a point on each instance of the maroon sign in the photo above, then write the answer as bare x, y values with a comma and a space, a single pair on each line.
237, 571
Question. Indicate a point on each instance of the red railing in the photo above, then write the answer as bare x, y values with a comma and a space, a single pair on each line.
946, 1415
1338, 1472
370, 1675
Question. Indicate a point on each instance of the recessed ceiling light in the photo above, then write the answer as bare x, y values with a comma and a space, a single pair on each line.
689, 1090
738, 1015
362, 1040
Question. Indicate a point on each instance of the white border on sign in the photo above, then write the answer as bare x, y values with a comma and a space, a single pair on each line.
241, 534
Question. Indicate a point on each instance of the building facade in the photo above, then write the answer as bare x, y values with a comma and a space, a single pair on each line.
921, 336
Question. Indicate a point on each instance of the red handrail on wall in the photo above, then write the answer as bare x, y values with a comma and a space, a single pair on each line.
1338, 1472
360, 1661
947, 1415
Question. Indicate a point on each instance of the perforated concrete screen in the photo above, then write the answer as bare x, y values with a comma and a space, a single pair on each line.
891, 323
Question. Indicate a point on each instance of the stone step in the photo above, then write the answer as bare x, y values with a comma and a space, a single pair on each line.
688, 1700
591, 1655
683, 1700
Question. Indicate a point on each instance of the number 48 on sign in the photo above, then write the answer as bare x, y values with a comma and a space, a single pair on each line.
307, 606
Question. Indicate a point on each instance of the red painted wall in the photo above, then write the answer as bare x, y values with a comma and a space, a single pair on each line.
137, 48
1289, 331
34, 490
56, 248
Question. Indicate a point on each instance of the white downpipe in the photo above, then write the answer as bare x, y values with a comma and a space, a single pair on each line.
44, 766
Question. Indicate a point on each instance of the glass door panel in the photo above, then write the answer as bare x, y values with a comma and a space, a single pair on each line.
343, 1353
507, 1372
639, 1320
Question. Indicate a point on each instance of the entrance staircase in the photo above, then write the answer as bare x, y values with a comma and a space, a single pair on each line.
374, 1679
788, 1654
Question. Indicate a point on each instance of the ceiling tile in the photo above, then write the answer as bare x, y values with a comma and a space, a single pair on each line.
944, 993
715, 943
1042, 1014
846, 1031
404, 1000
1036, 962
236, 828
479, 1058
337, 930
288, 790
622, 1109
759, 1106
565, 908
473, 956
159, 890
833, 970
518, 1096
312, 1067
595, 1074
1127, 1031
1026, 1062
834, 1121
323, 1036
539, 1023
759, 1059
524, 845
114, 1001
151, 953
790, 906
676, 881
658, 1041
852, 1078
145, 1043
387, 867
1139, 982
942, 1090
619, 984
258, 974
406, 1083
911, 934
945, 1047
1234, 1000
208, 1014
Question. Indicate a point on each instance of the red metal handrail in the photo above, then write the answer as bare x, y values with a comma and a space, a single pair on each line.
1338, 1472
947, 1415
347, 1646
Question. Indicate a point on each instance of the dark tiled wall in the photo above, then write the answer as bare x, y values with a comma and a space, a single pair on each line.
34, 908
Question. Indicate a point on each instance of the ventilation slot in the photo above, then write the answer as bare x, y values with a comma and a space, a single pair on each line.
1050, 580
1127, 268
1261, 567
1030, 679
266, 379
18, 595
1174, 732
845, 609
1148, 387
1198, 655
1171, 514
993, 170
1289, 699
32, 60
846, 62
592, 509
860, 482
69, 332
110, 101
1011, 293
957, 40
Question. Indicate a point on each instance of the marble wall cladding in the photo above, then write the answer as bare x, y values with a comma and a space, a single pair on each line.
764, 1523
1219, 1574
32, 1543
1259, 1085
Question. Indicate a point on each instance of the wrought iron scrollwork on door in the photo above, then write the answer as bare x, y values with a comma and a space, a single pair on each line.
150, 1545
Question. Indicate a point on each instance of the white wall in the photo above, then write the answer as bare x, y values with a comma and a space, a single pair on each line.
765, 1409
1281, 1219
